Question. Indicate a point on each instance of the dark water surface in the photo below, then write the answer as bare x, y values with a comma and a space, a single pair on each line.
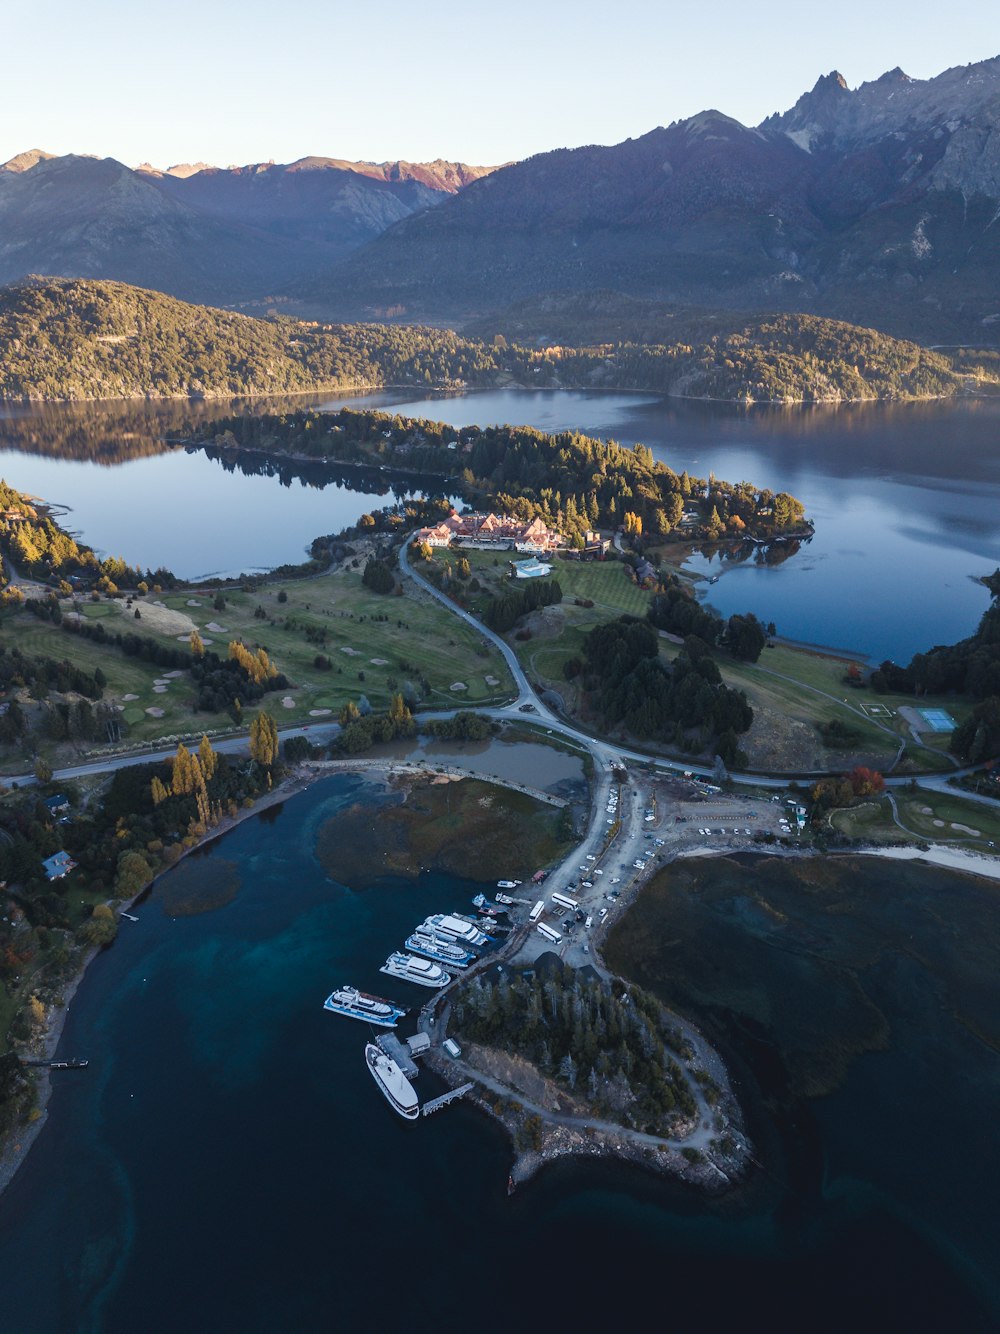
227, 1164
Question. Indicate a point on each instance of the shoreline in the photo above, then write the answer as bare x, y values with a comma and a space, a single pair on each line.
564, 1141
18, 1144
364, 387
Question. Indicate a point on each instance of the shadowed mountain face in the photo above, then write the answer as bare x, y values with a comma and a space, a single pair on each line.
201, 232
880, 206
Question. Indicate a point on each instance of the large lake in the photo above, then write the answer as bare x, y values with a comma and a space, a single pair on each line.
905, 498
227, 1164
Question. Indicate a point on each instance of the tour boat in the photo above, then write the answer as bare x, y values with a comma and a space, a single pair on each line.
397, 1089
355, 1004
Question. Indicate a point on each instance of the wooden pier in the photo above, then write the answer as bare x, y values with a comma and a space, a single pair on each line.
435, 1104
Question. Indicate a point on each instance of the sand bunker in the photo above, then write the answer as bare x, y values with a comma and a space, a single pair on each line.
458, 685
320, 713
193, 602
155, 616
966, 829
172, 676
379, 662
216, 628
129, 698
351, 652
288, 702
156, 713
159, 690
492, 680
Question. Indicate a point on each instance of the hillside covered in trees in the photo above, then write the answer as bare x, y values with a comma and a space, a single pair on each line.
970, 668
611, 1051
82, 339
609, 339
571, 481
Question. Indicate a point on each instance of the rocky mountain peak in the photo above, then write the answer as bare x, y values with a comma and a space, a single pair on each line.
25, 161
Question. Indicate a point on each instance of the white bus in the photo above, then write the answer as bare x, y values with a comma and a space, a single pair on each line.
564, 900
537, 911
548, 933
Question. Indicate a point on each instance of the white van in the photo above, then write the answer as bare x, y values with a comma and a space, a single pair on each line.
588, 924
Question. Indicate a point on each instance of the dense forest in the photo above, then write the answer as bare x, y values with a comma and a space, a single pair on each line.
570, 480
84, 339
619, 341
684, 705
609, 1048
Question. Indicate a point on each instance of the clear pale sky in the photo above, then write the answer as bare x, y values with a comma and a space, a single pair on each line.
235, 81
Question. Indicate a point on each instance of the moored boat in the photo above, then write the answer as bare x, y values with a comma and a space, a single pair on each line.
508, 884
355, 1004
441, 951
396, 1088
411, 969
454, 927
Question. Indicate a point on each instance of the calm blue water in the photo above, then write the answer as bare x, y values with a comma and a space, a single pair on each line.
226, 1163
905, 499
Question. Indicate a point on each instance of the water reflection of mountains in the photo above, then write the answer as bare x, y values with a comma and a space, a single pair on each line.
112, 434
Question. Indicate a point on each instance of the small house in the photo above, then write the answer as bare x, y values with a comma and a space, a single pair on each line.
58, 865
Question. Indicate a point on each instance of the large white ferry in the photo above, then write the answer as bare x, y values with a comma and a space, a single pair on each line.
357, 1004
455, 927
440, 949
395, 1086
412, 969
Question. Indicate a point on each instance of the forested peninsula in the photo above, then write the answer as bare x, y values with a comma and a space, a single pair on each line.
81, 340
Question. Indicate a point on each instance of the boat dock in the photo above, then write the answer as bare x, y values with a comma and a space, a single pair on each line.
73, 1063
399, 1052
435, 1104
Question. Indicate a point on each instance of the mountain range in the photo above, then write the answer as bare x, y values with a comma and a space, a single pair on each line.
202, 232
879, 205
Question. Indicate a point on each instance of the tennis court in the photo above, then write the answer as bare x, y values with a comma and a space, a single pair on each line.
938, 720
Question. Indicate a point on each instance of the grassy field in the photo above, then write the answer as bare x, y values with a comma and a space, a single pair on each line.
936, 817
606, 583
809, 688
558, 632
374, 643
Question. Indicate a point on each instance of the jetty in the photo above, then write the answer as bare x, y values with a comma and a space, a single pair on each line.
398, 1052
74, 1063
435, 1104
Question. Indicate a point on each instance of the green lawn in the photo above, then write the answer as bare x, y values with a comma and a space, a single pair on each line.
935, 817
604, 583
410, 637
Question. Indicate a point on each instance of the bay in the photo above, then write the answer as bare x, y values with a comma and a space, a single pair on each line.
227, 1163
